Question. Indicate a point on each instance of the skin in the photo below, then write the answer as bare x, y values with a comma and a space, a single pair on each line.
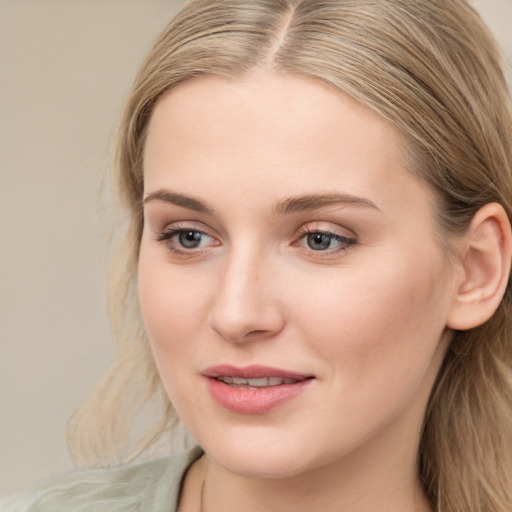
367, 317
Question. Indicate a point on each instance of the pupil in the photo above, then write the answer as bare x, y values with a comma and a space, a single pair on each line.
319, 242
190, 239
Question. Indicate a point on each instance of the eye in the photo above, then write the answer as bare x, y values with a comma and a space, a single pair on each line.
190, 239
185, 240
324, 241
319, 241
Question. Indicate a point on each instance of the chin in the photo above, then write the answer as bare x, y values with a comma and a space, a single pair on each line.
270, 457
268, 467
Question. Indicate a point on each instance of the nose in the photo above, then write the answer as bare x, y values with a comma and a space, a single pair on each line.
246, 306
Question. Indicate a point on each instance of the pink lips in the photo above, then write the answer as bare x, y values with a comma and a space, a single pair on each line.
245, 398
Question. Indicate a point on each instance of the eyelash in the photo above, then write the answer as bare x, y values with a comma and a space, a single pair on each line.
167, 235
344, 241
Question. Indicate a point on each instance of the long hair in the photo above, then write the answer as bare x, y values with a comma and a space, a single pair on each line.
432, 69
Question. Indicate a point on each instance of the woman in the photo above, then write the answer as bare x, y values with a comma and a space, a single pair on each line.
314, 267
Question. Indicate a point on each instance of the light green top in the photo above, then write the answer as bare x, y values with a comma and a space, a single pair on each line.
149, 487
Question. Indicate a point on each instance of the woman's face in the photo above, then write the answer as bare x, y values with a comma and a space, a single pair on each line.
293, 289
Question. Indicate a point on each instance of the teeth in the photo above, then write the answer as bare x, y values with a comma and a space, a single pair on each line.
262, 382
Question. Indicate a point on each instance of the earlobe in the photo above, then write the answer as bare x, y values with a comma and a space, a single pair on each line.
485, 260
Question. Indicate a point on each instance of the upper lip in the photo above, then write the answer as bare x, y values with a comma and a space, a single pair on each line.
252, 372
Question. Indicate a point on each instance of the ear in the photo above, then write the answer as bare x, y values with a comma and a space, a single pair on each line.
484, 260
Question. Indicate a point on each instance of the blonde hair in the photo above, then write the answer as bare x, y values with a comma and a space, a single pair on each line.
431, 68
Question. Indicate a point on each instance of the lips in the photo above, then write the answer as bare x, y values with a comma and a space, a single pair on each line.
262, 382
254, 389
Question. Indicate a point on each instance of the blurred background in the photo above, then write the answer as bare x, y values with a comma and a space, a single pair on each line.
65, 68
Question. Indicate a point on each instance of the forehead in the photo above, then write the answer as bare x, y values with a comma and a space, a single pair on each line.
271, 105
272, 134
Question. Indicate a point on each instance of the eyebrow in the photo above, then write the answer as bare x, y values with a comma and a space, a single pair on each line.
294, 204
179, 200
316, 201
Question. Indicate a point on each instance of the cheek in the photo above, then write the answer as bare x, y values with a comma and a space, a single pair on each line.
379, 335
172, 307
383, 324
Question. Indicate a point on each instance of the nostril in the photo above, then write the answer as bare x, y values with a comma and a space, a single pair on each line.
239, 334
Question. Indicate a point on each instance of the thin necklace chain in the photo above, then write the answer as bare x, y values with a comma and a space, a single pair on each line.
201, 497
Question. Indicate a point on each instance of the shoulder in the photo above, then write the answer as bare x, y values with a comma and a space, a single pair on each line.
149, 487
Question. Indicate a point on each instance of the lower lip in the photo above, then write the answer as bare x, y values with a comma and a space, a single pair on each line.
255, 400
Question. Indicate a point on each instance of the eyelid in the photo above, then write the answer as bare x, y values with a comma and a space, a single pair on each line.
326, 228
177, 226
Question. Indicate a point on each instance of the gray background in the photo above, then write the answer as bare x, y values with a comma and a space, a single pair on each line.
65, 68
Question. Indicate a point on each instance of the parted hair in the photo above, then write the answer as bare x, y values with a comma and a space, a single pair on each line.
432, 69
